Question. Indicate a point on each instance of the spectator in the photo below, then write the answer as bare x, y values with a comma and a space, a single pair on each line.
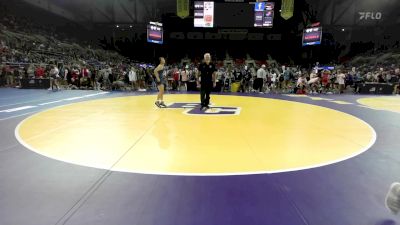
274, 79
245, 84
314, 82
301, 85
9, 76
176, 78
325, 80
85, 78
31, 71
341, 77
2, 75
74, 82
286, 78
54, 78
261, 76
119, 83
185, 77
133, 78
39, 73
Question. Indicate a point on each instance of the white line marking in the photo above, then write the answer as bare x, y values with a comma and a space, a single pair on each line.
297, 96
341, 102
101, 93
85, 96
45, 99
74, 98
11, 117
48, 103
18, 109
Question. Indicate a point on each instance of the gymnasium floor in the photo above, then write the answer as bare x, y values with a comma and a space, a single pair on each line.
87, 157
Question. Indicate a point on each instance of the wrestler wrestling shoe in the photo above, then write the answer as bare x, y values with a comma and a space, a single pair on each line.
163, 105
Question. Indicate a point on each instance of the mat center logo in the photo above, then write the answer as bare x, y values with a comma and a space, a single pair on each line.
195, 109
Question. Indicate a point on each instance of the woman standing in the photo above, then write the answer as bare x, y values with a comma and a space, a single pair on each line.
161, 82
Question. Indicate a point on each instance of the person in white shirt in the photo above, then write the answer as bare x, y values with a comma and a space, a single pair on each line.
54, 76
274, 77
106, 74
301, 84
341, 81
185, 77
261, 76
133, 78
314, 83
302, 81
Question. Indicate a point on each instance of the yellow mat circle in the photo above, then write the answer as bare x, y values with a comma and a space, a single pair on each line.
130, 134
383, 103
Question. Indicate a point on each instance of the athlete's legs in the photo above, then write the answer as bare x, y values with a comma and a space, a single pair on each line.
160, 96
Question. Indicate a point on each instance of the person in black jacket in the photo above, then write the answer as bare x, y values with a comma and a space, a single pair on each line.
207, 73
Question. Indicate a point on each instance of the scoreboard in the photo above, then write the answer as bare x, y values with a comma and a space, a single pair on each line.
204, 14
233, 14
155, 33
312, 36
264, 14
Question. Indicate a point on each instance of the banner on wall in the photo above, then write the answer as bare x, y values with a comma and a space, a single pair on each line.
182, 8
287, 9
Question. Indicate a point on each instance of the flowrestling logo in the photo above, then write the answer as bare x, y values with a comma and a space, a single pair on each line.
195, 109
370, 15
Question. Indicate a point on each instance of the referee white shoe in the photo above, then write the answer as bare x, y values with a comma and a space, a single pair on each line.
392, 201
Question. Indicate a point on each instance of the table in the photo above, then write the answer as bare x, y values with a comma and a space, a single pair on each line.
376, 88
33, 83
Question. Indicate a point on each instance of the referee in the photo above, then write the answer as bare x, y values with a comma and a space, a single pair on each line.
207, 73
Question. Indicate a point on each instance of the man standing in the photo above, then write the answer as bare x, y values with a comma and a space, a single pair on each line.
54, 76
185, 77
341, 80
261, 76
207, 71
245, 80
132, 78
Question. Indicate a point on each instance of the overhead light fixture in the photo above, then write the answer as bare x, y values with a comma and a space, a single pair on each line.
117, 26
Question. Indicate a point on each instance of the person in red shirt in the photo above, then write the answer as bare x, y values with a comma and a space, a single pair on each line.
85, 78
185, 77
325, 80
75, 77
39, 73
176, 79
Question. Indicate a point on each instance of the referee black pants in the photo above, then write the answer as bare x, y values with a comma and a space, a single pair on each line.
258, 84
205, 91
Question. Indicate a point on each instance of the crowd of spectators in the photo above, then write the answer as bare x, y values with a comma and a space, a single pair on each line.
30, 50
334, 79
